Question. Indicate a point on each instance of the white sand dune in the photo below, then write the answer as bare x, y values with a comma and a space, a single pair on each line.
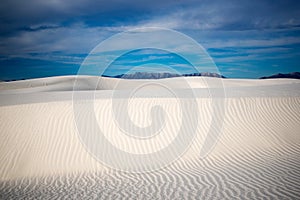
66, 83
256, 155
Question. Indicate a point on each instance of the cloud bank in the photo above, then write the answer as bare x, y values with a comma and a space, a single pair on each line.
252, 36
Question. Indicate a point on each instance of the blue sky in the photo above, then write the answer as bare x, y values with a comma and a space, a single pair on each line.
246, 39
150, 60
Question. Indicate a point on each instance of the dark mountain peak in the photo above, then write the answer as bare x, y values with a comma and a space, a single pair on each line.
160, 75
207, 74
295, 75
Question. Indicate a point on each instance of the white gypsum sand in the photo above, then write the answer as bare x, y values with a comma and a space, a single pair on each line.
256, 155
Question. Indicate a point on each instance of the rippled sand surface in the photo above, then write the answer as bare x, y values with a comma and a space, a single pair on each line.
254, 155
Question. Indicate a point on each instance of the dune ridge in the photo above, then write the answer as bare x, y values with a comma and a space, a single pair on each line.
66, 83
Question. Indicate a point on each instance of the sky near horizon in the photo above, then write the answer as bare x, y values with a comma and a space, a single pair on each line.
245, 39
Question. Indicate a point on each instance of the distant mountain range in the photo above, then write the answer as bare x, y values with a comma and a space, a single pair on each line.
157, 75
295, 75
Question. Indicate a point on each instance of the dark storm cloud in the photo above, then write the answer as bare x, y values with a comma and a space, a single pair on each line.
231, 14
60, 19
18, 13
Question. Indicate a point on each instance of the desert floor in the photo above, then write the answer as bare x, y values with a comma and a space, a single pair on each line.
245, 138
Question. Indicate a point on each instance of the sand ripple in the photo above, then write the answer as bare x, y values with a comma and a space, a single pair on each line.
257, 154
